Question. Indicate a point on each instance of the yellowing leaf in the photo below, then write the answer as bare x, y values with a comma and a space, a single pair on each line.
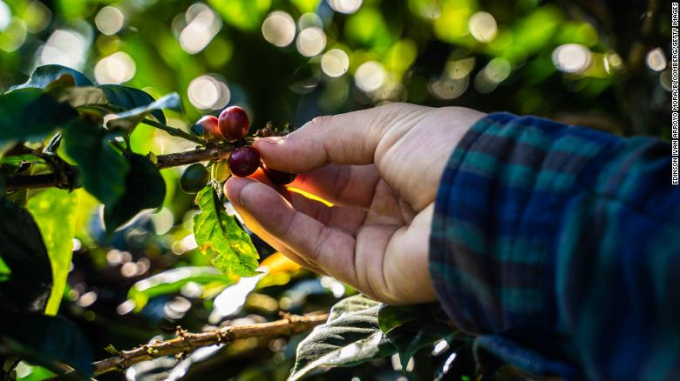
54, 211
217, 232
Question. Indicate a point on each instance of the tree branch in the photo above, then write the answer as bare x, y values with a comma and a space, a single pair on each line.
220, 152
186, 342
47, 180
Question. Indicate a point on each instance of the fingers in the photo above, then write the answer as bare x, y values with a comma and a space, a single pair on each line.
346, 218
407, 253
328, 248
273, 242
260, 232
350, 138
346, 185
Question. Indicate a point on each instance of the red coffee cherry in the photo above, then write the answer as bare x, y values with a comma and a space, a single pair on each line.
234, 123
278, 177
211, 128
244, 161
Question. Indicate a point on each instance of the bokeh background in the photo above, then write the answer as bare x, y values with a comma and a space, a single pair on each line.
603, 64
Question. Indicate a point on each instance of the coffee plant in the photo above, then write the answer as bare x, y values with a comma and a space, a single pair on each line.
60, 131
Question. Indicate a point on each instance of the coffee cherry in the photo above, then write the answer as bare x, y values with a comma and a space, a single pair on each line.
196, 129
194, 178
244, 161
221, 171
278, 177
211, 128
234, 123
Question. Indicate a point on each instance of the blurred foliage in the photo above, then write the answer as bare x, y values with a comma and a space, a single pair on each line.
594, 63
508, 50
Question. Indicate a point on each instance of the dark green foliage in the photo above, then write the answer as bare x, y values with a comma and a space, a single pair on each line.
30, 114
103, 169
44, 75
45, 340
23, 251
127, 120
128, 98
144, 189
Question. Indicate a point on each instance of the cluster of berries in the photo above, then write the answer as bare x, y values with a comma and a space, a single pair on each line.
232, 126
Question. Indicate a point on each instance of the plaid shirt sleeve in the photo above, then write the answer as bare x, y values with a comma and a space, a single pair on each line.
558, 247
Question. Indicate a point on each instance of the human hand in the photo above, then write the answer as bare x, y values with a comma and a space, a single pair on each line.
381, 169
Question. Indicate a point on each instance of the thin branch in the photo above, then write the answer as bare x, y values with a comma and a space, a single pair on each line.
186, 342
220, 152
18, 182
47, 180
175, 131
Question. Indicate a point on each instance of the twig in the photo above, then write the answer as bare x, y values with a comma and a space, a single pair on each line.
188, 157
187, 342
162, 161
31, 181
175, 131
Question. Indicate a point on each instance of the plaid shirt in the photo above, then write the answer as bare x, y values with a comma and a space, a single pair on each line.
559, 248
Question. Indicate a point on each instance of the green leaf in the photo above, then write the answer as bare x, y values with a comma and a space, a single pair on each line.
22, 249
29, 114
36, 373
80, 96
54, 211
129, 119
110, 349
103, 169
410, 328
242, 14
44, 75
16, 161
351, 336
172, 281
5, 271
43, 339
144, 189
417, 334
216, 231
394, 316
129, 98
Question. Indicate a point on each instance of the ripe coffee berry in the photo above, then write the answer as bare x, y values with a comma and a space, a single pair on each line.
211, 128
234, 123
278, 177
244, 161
194, 178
